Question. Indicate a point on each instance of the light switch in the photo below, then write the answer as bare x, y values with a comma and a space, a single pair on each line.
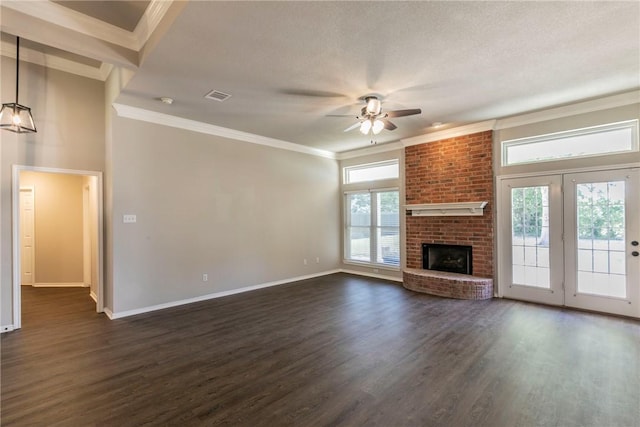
127, 218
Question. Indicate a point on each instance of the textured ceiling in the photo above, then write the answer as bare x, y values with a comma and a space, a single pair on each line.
288, 65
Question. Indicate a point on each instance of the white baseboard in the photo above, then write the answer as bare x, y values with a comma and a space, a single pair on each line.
6, 328
59, 285
374, 275
93, 296
127, 313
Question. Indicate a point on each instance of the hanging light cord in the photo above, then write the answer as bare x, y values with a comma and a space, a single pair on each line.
17, 66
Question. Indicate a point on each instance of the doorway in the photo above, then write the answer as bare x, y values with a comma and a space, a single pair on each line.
69, 243
572, 239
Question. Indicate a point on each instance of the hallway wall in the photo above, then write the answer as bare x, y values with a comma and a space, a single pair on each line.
58, 226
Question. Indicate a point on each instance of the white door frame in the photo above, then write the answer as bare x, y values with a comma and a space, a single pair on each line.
554, 294
501, 215
86, 236
15, 228
627, 306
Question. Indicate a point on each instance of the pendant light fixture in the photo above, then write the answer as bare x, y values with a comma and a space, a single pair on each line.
13, 116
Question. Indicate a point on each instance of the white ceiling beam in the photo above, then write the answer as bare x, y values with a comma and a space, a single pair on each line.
56, 62
74, 21
47, 33
149, 22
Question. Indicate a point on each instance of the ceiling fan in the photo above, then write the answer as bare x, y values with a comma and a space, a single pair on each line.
373, 119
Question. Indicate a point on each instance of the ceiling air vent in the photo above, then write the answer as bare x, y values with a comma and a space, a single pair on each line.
216, 95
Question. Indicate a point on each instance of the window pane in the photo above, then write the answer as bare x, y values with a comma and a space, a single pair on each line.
388, 209
601, 238
388, 233
359, 244
599, 140
359, 209
373, 227
388, 246
530, 236
371, 172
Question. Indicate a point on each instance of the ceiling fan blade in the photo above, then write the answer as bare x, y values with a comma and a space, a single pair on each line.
352, 127
402, 113
313, 93
388, 125
342, 115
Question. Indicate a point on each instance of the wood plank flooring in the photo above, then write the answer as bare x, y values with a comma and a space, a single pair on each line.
339, 350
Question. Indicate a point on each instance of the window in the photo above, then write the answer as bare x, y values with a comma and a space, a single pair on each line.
371, 172
372, 227
594, 141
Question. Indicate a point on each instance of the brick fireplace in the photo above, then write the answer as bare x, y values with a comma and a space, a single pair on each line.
452, 170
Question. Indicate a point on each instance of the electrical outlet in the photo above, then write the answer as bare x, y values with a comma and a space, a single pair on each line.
128, 218
304, 261
205, 277
317, 260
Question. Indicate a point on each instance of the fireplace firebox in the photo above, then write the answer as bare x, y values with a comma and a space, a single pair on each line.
451, 258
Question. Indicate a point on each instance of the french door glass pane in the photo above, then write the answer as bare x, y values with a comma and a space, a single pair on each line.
530, 236
601, 238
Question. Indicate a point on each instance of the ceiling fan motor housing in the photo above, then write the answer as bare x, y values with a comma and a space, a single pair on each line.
373, 105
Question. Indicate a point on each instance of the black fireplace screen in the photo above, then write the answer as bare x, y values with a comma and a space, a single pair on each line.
451, 258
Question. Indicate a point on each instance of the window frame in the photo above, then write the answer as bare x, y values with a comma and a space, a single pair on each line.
627, 124
373, 229
364, 166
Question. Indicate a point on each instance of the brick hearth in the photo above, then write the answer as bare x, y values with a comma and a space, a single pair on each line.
451, 285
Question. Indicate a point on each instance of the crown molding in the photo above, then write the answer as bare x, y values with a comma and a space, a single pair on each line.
75, 21
449, 133
614, 101
374, 149
149, 116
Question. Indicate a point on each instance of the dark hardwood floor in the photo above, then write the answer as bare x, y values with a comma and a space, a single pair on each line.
334, 351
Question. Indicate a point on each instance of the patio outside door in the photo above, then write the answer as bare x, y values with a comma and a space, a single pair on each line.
602, 250
572, 240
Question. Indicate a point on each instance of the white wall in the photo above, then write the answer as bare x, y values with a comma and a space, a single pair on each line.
244, 214
69, 114
58, 226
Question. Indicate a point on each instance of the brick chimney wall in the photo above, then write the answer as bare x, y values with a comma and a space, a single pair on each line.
458, 169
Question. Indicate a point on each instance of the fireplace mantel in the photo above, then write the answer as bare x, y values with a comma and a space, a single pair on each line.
447, 209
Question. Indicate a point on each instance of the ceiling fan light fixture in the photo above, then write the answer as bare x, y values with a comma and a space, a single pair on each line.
365, 127
373, 106
377, 127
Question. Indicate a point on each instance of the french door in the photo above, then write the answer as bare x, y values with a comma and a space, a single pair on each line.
572, 240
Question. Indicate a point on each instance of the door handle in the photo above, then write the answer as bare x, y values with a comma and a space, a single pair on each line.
634, 243
635, 253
